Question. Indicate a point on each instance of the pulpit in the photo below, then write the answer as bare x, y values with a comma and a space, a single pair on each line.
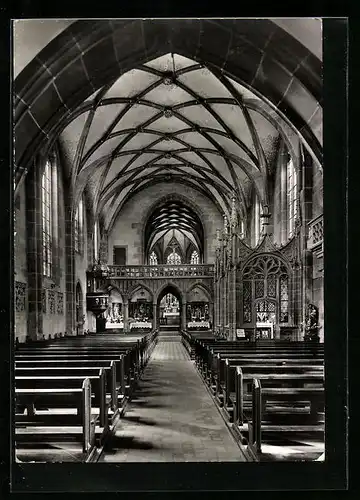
97, 303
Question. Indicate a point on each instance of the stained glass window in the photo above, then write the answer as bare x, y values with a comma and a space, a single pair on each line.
96, 238
194, 258
259, 288
46, 186
242, 229
257, 222
79, 225
174, 258
271, 286
265, 311
153, 260
284, 299
247, 301
270, 279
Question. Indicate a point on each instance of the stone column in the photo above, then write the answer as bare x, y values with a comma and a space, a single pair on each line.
155, 310
212, 315
126, 316
34, 252
304, 285
183, 315
233, 302
70, 268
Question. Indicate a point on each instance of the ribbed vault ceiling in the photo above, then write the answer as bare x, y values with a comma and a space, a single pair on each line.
173, 220
171, 119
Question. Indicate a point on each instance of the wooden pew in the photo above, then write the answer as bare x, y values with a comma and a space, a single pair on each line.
98, 385
119, 368
204, 350
216, 375
131, 366
208, 362
46, 371
137, 356
85, 429
238, 378
259, 430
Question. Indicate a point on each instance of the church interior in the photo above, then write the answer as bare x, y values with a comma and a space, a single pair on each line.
168, 241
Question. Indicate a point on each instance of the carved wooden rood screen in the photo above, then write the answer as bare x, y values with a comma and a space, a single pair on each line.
266, 291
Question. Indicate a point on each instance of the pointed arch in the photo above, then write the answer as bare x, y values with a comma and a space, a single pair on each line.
172, 287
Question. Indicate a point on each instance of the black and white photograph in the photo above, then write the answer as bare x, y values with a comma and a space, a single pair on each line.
168, 240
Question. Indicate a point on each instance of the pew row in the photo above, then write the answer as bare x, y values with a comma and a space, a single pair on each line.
83, 429
47, 379
261, 430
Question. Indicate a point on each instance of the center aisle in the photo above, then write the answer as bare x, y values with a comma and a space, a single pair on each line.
171, 417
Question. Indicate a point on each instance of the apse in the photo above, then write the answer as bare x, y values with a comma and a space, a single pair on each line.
174, 235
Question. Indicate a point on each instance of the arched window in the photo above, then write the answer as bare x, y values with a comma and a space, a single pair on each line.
242, 229
266, 291
79, 226
47, 218
292, 211
194, 258
257, 222
96, 253
153, 260
173, 258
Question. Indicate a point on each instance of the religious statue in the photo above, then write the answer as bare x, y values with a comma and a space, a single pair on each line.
311, 323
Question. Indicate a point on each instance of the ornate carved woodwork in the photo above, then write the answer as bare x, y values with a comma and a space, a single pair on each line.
97, 302
265, 284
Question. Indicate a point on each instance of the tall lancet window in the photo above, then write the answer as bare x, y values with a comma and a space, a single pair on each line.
47, 218
257, 221
96, 252
242, 229
194, 258
291, 197
79, 226
153, 260
174, 258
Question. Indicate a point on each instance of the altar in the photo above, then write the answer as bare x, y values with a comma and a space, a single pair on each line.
140, 324
116, 325
264, 330
171, 314
199, 325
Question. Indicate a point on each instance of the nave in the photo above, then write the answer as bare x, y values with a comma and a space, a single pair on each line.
173, 397
171, 417
169, 241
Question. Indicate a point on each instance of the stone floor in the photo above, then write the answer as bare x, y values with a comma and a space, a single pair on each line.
171, 417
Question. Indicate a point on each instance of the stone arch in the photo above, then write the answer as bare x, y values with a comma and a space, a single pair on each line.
98, 52
172, 285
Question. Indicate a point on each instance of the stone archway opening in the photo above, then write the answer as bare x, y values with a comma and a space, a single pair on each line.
169, 309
